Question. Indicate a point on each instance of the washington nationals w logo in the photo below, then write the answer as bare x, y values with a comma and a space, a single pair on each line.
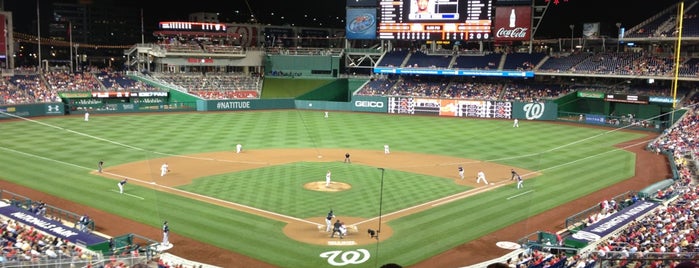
534, 110
342, 258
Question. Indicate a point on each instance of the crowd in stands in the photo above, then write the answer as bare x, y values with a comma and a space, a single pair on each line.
215, 86
461, 88
24, 244
666, 237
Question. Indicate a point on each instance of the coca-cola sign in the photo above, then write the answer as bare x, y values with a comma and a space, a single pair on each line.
512, 23
517, 33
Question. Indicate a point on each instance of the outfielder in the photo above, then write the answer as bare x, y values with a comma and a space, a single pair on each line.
164, 169
385, 149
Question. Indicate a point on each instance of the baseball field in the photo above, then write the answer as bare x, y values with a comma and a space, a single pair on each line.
268, 202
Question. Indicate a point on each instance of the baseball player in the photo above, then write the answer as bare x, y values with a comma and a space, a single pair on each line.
166, 234
238, 148
327, 114
519, 182
329, 221
327, 179
121, 185
514, 174
99, 166
164, 169
461, 172
516, 123
347, 158
385, 149
481, 176
87, 116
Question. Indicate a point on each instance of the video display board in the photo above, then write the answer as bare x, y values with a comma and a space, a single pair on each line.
435, 19
361, 23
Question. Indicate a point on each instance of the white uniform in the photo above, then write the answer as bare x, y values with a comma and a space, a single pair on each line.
164, 169
327, 179
481, 176
326, 114
121, 186
461, 172
516, 124
519, 182
238, 148
166, 234
87, 116
385, 149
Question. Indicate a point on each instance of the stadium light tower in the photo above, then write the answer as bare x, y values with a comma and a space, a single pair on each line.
618, 35
572, 26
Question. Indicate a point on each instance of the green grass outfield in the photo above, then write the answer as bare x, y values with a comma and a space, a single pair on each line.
56, 154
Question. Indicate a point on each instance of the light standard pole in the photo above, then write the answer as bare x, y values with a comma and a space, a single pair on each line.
572, 26
380, 209
618, 35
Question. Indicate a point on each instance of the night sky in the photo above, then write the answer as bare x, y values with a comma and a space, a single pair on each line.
331, 13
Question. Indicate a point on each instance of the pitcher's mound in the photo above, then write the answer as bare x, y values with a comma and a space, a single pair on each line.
333, 187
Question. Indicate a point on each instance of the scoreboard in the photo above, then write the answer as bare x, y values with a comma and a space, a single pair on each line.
439, 20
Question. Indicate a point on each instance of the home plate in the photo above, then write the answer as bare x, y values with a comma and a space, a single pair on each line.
507, 245
162, 247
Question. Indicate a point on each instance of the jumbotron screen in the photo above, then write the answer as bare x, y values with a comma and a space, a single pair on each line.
435, 19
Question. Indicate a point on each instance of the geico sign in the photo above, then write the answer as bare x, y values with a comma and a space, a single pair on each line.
370, 104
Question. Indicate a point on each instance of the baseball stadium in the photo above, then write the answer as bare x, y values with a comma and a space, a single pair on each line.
214, 149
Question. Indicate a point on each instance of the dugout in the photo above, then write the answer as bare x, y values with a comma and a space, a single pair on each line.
641, 111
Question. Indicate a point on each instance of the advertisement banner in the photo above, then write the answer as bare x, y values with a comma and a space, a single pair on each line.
401, 105
369, 104
361, 23
512, 23
238, 105
448, 107
608, 225
46, 225
484, 109
595, 119
590, 94
29, 110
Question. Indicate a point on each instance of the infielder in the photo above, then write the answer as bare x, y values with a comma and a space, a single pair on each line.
121, 185
164, 169
461, 172
238, 148
327, 178
100, 164
385, 149
519, 182
481, 176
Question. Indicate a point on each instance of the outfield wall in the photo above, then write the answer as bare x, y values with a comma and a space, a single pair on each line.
356, 103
